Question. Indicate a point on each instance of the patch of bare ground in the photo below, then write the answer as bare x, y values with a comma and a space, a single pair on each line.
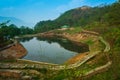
76, 58
14, 52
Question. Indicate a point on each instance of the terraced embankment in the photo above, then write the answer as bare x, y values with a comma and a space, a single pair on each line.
84, 36
103, 67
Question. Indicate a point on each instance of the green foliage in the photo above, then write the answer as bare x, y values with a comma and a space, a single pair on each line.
109, 27
10, 31
111, 32
89, 42
103, 19
43, 70
113, 16
75, 30
76, 17
25, 30
112, 36
90, 17
43, 26
5, 42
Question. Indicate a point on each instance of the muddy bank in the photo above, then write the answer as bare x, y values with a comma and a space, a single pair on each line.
15, 51
76, 58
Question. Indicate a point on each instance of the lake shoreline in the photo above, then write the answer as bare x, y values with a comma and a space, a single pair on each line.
79, 60
13, 52
75, 38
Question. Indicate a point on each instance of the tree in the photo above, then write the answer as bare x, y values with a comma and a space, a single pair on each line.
3, 31
25, 30
13, 30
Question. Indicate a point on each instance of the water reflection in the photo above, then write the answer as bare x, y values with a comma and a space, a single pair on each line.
65, 44
25, 39
51, 50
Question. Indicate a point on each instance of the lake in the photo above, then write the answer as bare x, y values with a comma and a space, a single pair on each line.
50, 50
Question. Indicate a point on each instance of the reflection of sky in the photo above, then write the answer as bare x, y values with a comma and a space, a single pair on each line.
46, 52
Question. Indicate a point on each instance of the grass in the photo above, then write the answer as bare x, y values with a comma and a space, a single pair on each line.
89, 42
75, 30
70, 31
111, 34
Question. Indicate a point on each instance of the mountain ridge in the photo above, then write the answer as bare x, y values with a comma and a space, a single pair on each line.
16, 21
80, 16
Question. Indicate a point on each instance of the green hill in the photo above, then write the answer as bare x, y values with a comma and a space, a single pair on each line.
76, 17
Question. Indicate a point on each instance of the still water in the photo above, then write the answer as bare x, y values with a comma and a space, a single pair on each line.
51, 50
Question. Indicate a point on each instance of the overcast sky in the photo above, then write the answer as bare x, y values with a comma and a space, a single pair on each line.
33, 11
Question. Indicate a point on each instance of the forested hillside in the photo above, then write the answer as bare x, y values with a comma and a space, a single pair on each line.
83, 16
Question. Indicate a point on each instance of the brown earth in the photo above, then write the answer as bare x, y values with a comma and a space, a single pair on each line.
76, 58
10, 73
14, 52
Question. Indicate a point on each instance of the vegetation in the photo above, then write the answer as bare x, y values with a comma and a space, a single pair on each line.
10, 31
102, 19
83, 16
110, 31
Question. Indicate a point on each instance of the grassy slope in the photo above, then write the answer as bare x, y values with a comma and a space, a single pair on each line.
111, 34
109, 28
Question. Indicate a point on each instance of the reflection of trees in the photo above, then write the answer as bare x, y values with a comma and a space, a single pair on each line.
65, 44
25, 39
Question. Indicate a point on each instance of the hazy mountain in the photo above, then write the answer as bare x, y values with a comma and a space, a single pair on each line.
15, 21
